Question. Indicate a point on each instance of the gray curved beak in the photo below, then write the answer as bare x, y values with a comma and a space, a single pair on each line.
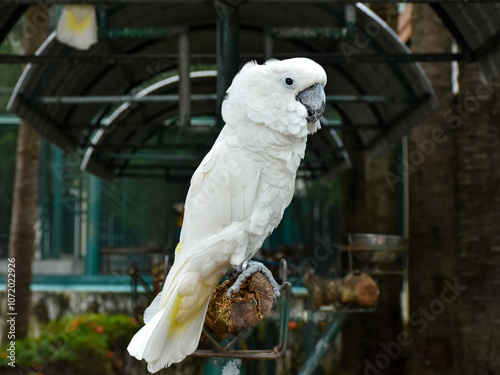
314, 99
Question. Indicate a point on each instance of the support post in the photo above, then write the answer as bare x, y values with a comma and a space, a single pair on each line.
44, 200
268, 45
323, 344
184, 81
57, 221
222, 366
94, 200
227, 51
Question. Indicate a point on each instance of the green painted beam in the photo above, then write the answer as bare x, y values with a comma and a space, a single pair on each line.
6, 90
44, 198
56, 227
222, 366
9, 122
83, 283
94, 201
323, 345
143, 32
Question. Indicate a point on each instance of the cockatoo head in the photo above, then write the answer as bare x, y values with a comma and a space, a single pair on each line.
287, 96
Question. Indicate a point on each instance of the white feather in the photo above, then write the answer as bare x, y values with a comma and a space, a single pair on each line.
151, 311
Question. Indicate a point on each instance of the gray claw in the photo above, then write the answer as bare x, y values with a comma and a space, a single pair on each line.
249, 268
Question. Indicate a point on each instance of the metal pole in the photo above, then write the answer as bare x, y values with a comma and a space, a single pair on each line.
227, 51
320, 57
322, 345
44, 200
119, 99
184, 80
94, 200
223, 366
268, 45
57, 220
59, 2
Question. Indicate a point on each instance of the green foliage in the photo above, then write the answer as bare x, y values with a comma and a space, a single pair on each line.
9, 74
75, 345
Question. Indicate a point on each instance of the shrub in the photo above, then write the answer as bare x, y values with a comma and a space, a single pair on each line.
90, 343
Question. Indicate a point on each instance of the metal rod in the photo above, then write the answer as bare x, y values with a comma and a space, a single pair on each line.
334, 57
190, 143
226, 51
144, 32
268, 46
206, 128
92, 257
184, 81
184, 91
128, 155
369, 98
322, 345
120, 99
307, 32
57, 2
202, 125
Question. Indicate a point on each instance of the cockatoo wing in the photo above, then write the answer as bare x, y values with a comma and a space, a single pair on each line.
77, 26
220, 199
222, 192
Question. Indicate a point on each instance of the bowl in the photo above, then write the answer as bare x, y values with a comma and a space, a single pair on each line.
376, 247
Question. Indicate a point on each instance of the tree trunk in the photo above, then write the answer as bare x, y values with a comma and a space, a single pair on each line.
477, 114
25, 197
433, 324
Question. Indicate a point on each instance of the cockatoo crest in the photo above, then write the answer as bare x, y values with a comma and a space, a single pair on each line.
267, 94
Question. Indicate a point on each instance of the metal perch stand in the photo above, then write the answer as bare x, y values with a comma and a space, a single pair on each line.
274, 353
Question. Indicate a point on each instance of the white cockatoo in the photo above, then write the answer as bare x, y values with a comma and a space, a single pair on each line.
237, 197
77, 26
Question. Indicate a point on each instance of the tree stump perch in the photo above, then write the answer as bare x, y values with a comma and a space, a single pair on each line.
357, 289
247, 308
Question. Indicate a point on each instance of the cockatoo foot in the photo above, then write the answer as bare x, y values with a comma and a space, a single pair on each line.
247, 269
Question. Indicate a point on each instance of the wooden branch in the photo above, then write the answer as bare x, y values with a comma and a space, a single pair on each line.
247, 308
357, 289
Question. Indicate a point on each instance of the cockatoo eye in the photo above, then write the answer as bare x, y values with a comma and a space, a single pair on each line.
289, 82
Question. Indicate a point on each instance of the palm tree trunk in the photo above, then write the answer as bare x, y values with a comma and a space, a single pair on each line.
25, 197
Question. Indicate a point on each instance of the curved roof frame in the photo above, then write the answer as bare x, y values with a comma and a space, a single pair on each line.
380, 95
113, 119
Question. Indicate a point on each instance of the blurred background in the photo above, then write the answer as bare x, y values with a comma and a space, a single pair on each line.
107, 108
